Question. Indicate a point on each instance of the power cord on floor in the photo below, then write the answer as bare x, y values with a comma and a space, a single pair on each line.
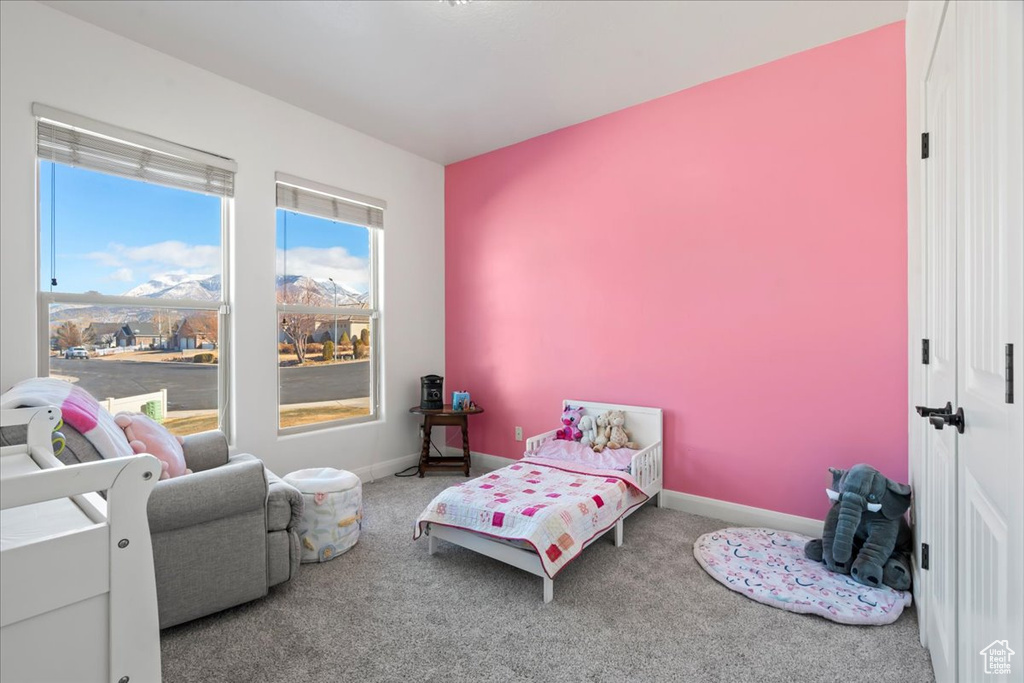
416, 467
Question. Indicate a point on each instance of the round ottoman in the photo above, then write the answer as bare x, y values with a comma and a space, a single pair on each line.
333, 511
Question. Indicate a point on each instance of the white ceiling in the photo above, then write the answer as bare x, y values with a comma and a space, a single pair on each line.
449, 83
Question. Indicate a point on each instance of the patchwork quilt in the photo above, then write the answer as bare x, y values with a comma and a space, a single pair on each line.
555, 507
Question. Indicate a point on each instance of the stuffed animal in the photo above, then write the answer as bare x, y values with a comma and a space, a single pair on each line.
146, 436
603, 432
866, 535
618, 437
571, 419
589, 428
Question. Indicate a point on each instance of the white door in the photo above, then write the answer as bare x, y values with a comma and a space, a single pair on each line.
939, 504
990, 316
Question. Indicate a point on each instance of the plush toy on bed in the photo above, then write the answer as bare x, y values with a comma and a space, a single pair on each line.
589, 428
618, 436
603, 432
146, 436
571, 419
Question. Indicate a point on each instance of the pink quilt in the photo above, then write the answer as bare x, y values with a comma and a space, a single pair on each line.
555, 507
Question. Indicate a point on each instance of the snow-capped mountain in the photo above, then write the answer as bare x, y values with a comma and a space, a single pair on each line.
320, 291
179, 286
300, 289
207, 288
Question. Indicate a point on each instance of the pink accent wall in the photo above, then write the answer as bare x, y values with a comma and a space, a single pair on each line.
734, 254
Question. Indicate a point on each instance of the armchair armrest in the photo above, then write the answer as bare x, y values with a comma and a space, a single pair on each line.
534, 442
237, 487
205, 450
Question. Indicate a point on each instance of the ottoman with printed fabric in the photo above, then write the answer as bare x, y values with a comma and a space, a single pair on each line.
333, 513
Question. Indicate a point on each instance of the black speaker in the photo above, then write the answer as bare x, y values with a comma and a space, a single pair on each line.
431, 392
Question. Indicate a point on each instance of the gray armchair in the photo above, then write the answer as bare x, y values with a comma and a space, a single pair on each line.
222, 535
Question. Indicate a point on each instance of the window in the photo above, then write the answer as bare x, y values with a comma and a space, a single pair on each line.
133, 269
328, 313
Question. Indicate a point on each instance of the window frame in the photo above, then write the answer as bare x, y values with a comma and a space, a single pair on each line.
373, 310
222, 306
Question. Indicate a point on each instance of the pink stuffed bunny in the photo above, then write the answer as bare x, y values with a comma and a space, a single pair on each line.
146, 436
571, 419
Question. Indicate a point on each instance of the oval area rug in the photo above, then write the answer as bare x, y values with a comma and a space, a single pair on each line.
769, 566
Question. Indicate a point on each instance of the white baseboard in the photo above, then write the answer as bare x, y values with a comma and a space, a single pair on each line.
385, 469
481, 462
736, 513
733, 513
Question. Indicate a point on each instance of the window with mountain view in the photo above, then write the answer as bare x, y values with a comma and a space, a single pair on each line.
132, 265
328, 317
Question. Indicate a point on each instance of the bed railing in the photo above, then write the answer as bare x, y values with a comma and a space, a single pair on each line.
646, 468
534, 442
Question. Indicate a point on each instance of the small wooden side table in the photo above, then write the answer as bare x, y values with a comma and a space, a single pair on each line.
445, 417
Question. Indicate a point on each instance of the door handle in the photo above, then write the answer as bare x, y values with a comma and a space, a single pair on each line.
940, 420
928, 412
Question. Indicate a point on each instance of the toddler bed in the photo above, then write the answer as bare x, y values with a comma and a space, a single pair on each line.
539, 513
76, 571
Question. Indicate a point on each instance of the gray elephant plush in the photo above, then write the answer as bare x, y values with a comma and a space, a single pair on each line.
865, 533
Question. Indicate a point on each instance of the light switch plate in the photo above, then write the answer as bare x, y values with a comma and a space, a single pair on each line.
519, 433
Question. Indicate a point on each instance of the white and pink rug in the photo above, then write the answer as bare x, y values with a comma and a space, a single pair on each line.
769, 566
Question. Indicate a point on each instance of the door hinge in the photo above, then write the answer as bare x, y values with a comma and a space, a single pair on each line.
1009, 373
925, 556
925, 352
924, 145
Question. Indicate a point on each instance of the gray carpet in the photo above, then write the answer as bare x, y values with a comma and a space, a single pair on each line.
387, 611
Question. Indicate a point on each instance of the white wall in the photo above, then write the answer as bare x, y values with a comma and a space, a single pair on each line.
49, 57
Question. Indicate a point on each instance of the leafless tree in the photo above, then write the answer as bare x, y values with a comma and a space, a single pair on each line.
69, 334
299, 327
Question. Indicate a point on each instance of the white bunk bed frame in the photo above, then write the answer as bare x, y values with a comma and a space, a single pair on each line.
644, 426
76, 571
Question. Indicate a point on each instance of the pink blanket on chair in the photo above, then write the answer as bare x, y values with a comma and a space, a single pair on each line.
78, 408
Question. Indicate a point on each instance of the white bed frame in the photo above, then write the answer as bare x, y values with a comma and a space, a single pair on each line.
76, 571
644, 426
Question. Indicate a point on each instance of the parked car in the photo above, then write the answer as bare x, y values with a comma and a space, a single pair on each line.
76, 352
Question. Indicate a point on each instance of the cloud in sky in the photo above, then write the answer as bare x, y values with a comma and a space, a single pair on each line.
171, 253
322, 263
170, 256
121, 275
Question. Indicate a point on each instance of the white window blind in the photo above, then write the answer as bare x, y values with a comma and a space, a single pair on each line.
105, 151
335, 205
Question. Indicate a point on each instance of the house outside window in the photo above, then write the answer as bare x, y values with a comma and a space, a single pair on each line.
329, 315
133, 267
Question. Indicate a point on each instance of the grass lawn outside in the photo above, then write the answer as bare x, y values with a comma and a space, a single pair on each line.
156, 355
290, 360
290, 417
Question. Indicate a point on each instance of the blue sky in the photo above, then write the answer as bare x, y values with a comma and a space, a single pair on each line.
114, 233
320, 248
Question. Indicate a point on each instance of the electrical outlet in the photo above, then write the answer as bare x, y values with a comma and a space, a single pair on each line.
421, 431
519, 433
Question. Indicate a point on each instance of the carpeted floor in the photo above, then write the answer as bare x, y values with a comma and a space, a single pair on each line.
387, 611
